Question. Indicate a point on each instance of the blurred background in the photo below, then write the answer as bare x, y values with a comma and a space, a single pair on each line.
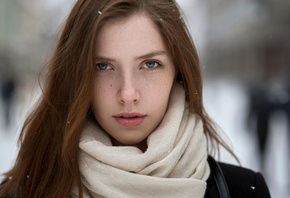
244, 46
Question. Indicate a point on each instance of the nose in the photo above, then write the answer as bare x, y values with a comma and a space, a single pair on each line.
128, 92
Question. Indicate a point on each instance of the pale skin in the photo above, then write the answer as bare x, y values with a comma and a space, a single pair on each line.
134, 78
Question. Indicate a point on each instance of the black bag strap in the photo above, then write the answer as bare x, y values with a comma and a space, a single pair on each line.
219, 178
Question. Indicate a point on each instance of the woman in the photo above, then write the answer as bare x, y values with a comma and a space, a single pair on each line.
121, 114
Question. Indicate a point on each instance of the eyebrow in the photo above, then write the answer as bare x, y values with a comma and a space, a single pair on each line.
150, 55
145, 56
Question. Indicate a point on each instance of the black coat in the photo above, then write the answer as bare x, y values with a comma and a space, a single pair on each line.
233, 181
238, 182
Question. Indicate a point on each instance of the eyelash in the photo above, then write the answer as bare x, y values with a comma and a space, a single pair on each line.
151, 61
142, 66
101, 70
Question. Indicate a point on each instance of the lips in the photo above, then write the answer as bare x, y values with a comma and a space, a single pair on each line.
129, 119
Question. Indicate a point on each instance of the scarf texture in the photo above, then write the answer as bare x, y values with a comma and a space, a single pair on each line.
174, 164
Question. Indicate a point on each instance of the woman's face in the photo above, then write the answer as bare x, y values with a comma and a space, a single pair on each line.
134, 77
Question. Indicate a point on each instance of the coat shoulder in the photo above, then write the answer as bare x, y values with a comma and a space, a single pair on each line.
244, 181
241, 182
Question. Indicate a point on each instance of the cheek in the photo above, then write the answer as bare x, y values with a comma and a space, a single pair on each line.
158, 90
103, 86
102, 95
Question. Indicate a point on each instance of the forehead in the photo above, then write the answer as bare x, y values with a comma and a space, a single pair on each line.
136, 32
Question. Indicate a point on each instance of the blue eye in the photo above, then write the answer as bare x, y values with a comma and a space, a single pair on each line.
102, 66
151, 64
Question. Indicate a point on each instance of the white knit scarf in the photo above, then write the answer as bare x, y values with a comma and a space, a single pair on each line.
174, 165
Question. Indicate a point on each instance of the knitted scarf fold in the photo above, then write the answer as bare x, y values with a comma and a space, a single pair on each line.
174, 165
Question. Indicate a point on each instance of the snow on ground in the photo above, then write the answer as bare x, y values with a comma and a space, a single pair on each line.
226, 102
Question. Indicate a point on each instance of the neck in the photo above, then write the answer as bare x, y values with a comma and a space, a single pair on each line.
141, 145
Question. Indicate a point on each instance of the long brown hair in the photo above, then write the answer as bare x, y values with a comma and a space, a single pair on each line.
47, 163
